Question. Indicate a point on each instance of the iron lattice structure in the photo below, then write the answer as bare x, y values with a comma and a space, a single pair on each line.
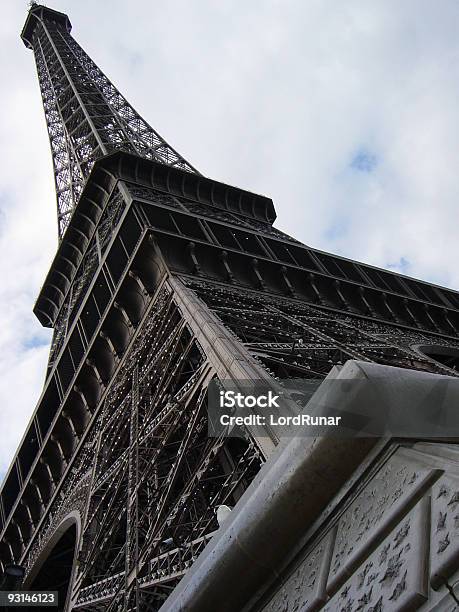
163, 281
86, 115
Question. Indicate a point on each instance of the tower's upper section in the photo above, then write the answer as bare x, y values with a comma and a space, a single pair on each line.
86, 115
38, 14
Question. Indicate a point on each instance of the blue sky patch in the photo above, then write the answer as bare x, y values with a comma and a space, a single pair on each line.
364, 161
402, 265
34, 342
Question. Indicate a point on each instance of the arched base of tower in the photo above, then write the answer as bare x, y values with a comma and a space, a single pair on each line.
55, 573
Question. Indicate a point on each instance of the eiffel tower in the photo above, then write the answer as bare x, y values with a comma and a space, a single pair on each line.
163, 281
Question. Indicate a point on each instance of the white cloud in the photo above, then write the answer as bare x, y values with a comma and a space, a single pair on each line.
274, 96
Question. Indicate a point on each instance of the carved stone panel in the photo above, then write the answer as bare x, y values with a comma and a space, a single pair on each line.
375, 510
445, 529
394, 577
305, 588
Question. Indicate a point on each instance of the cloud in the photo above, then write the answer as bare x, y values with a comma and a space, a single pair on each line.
345, 113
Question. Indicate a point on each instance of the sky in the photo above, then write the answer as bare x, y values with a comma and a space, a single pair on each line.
345, 113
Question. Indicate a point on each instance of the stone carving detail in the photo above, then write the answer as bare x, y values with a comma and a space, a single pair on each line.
413, 497
370, 514
305, 589
445, 529
393, 578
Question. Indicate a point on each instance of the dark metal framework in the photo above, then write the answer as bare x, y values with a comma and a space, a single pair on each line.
86, 115
163, 281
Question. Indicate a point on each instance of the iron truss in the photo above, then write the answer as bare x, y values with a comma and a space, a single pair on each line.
150, 477
86, 115
294, 340
147, 479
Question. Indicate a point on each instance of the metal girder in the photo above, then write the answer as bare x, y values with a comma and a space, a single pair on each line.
157, 478
292, 339
86, 116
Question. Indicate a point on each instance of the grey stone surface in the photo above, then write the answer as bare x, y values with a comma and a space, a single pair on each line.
374, 511
305, 589
412, 498
394, 577
445, 529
